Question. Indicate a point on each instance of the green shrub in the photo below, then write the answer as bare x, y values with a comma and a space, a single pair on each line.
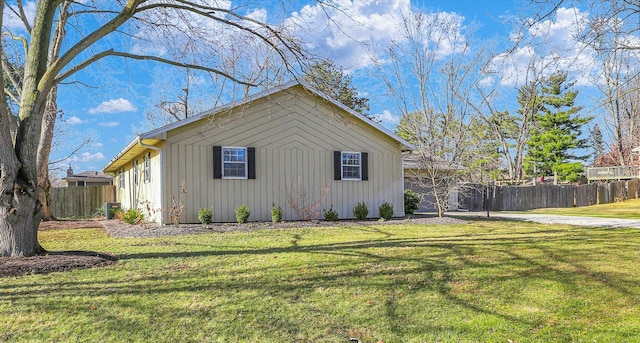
361, 211
99, 212
331, 215
205, 215
386, 210
242, 213
132, 216
411, 201
276, 213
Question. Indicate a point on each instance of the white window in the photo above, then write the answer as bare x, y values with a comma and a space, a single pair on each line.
147, 168
134, 170
351, 165
234, 163
121, 178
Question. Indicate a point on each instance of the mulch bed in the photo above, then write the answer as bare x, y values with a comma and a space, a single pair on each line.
70, 260
54, 262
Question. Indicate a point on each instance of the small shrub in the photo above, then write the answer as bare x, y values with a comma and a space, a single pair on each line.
331, 215
361, 211
242, 213
117, 213
411, 201
276, 213
205, 215
132, 216
99, 212
386, 210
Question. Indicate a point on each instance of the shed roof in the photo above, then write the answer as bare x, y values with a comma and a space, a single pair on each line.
417, 161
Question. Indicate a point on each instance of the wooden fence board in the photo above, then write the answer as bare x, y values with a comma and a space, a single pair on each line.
586, 195
80, 201
522, 198
633, 188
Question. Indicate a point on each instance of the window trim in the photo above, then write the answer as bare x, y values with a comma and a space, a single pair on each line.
146, 170
121, 180
245, 162
342, 165
136, 180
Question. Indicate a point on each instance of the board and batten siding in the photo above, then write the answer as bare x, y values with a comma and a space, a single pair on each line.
146, 196
294, 135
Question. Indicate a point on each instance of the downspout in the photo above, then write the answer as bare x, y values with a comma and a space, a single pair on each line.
402, 180
159, 150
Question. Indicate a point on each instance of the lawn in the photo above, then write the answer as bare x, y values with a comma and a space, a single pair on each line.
487, 281
629, 209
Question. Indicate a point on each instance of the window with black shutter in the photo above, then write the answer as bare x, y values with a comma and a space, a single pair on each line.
349, 165
234, 162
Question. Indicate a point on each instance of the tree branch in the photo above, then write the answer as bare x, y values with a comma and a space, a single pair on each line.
56, 66
112, 52
20, 14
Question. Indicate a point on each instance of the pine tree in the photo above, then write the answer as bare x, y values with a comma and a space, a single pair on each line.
331, 80
596, 142
556, 136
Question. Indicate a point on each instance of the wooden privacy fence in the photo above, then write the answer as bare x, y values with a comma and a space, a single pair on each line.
522, 198
80, 201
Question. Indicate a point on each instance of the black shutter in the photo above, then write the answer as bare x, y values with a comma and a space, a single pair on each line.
365, 165
337, 165
251, 163
217, 162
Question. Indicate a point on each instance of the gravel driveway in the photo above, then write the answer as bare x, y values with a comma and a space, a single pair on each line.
555, 219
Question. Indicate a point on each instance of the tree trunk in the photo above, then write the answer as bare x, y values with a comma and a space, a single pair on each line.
19, 222
44, 148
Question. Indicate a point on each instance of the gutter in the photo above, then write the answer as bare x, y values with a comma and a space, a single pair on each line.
159, 150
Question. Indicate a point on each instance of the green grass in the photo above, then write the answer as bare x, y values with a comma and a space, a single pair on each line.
488, 281
629, 209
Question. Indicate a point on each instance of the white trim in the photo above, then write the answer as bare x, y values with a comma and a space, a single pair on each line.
359, 178
136, 177
245, 162
146, 168
121, 180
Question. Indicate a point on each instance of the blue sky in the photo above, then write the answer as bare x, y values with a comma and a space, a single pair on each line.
108, 102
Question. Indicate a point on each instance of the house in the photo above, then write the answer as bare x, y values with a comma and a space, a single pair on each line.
419, 172
290, 146
87, 178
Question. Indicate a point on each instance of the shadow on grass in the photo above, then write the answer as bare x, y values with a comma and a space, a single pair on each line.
384, 265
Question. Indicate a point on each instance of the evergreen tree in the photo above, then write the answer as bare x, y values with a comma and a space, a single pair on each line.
326, 77
556, 135
596, 142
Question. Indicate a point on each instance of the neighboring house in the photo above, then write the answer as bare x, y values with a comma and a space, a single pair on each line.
290, 146
417, 177
87, 178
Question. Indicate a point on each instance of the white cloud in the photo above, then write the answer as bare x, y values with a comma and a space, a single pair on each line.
97, 145
73, 120
114, 106
344, 34
13, 22
550, 46
388, 119
88, 157
109, 124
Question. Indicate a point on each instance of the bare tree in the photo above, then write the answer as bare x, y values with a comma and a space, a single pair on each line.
429, 76
619, 82
611, 34
174, 25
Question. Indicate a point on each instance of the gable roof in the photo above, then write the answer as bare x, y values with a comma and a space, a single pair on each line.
153, 137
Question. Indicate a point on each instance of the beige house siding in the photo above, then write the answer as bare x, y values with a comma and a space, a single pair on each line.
146, 196
294, 135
